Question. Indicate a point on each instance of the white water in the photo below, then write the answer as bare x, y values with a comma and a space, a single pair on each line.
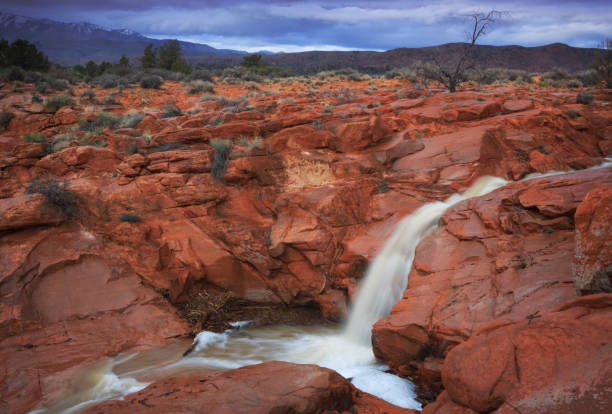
348, 352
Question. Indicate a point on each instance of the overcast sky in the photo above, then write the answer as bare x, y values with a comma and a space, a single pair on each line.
333, 25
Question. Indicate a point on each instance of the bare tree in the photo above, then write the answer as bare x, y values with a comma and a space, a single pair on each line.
603, 63
451, 72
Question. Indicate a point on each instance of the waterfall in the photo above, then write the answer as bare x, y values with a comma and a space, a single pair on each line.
387, 276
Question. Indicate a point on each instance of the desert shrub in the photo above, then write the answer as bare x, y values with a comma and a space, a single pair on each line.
346, 95
129, 218
201, 74
355, 76
89, 94
33, 77
383, 187
110, 100
584, 98
327, 108
93, 141
56, 193
34, 137
557, 74
236, 74
250, 144
208, 97
16, 74
36, 98
58, 101
131, 119
5, 118
573, 112
170, 111
62, 141
146, 135
167, 147
90, 127
587, 77
317, 124
42, 87
151, 82
236, 109
199, 86
194, 110
107, 81
57, 84
222, 148
108, 119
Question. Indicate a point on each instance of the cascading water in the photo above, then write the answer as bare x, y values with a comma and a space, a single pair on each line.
387, 276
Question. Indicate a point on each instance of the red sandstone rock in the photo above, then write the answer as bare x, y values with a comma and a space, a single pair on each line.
69, 301
551, 362
297, 225
80, 160
264, 388
508, 253
517, 105
593, 253
27, 211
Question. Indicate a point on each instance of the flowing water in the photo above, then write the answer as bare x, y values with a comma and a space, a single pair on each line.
348, 350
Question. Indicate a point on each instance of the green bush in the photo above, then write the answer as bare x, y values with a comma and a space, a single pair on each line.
58, 101
222, 149
151, 82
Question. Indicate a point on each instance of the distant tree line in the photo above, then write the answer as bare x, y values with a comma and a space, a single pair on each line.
23, 54
168, 56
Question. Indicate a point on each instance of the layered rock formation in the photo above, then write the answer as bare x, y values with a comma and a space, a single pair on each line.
295, 221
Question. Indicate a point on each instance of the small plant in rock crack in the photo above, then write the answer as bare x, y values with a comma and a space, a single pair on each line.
57, 194
222, 149
129, 218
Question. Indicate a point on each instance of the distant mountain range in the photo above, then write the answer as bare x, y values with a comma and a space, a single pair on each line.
71, 43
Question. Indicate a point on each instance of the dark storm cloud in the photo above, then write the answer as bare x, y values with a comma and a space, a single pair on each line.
298, 25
